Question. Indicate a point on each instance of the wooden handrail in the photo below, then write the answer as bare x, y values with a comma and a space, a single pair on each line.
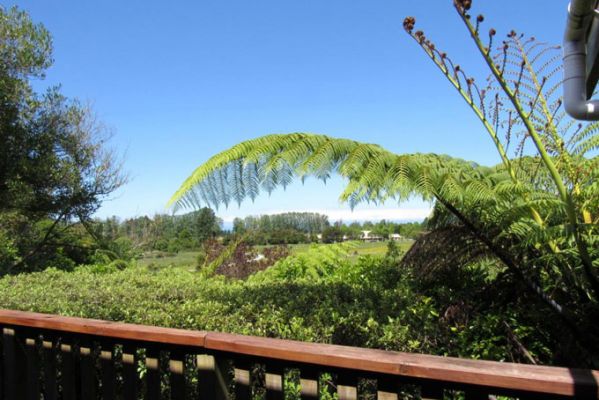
101, 328
510, 376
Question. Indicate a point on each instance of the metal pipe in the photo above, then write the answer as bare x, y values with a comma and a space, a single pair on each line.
580, 15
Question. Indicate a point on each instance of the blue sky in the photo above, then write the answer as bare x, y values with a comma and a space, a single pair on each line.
180, 81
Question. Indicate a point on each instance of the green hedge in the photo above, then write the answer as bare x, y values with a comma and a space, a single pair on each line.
320, 296
365, 303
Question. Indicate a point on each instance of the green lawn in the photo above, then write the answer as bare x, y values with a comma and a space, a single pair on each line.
181, 259
188, 258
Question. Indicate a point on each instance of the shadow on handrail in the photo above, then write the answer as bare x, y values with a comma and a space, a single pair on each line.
585, 383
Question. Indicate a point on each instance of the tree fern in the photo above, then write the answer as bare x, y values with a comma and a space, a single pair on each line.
535, 213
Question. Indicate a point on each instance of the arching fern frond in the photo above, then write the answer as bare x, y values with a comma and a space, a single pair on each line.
268, 162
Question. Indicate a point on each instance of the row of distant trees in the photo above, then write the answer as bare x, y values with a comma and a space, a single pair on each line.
306, 227
174, 233
168, 233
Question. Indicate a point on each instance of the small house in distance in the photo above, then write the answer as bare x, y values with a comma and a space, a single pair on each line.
367, 236
395, 237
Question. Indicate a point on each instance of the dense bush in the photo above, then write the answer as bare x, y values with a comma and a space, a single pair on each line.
321, 295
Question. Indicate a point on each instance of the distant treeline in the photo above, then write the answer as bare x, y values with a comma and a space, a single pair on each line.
170, 233
173, 233
306, 227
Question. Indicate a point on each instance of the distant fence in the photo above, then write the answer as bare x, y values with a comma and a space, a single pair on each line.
52, 357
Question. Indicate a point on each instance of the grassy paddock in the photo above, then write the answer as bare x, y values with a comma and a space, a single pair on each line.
188, 258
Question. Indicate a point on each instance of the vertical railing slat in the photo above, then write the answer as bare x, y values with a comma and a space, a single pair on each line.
14, 366
88, 372
206, 376
33, 368
223, 378
242, 380
476, 394
49, 356
68, 378
108, 374
274, 382
387, 389
347, 386
176, 368
130, 377
152, 374
2, 377
431, 391
309, 383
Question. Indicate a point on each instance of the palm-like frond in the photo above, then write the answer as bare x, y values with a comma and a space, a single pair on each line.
373, 174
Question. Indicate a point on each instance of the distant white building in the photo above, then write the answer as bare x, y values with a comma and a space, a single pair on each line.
368, 237
395, 236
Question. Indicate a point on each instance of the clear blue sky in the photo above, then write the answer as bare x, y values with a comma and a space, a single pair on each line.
180, 81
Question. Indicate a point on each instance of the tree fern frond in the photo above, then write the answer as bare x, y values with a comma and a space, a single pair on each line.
586, 146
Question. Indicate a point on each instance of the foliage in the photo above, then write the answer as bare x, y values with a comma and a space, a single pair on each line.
238, 259
534, 213
293, 228
169, 233
54, 165
320, 295
332, 234
305, 222
394, 253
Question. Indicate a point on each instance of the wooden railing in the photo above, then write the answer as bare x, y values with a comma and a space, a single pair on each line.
52, 357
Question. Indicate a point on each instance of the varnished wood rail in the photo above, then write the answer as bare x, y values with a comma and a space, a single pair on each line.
53, 357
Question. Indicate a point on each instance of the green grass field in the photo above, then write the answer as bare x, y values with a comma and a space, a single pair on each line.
187, 259
181, 259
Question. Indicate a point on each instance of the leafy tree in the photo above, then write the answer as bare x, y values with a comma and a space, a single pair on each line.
238, 226
54, 166
332, 234
162, 232
393, 253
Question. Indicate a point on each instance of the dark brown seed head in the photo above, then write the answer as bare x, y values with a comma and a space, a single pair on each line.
492, 32
408, 23
480, 18
463, 5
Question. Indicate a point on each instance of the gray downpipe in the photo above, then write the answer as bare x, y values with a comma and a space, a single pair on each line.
580, 13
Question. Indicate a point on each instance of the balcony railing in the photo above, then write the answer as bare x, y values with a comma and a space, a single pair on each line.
53, 357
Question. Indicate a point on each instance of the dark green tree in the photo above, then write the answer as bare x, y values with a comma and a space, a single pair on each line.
332, 234
54, 166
